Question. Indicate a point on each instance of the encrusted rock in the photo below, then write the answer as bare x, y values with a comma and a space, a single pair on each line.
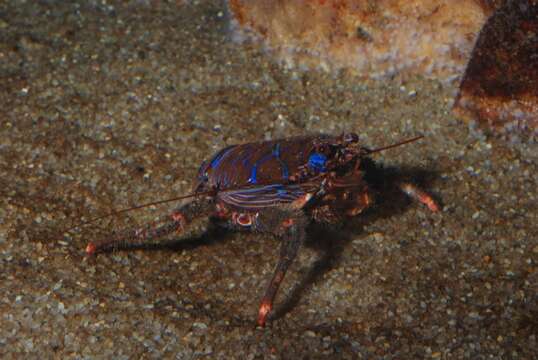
375, 38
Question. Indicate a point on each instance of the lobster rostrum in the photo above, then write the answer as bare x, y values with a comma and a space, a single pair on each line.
276, 187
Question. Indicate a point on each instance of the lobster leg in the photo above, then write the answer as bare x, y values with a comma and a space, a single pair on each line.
292, 230
174, 222
419, 195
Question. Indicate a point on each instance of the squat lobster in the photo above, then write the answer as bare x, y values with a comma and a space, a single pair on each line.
276, 187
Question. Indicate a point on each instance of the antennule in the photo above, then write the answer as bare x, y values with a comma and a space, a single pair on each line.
396, 145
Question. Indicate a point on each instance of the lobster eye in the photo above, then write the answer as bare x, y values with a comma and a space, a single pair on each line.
351, 138
317, 161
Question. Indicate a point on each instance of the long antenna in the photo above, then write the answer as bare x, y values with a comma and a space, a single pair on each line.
113, 213
396, 145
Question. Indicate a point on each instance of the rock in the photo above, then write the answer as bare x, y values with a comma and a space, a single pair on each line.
429, 37
500, 86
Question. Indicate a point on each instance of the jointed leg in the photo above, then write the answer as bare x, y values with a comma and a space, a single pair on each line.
292, 231
420, 195
174, 222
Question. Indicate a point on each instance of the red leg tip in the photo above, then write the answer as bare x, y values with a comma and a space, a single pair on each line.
288, 223
420, 195
432, 205
265, 309
178, 217
429, 202
90, 249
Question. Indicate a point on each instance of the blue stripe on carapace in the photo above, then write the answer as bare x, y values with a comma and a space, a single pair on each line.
274, 153
254, 171
253, 174
283, 165
276, 150
220, 155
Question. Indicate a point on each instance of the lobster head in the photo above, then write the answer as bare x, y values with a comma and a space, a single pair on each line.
339, 154
338, 160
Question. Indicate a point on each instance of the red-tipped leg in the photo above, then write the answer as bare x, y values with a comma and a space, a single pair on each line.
265, 309
292, 231
90, 249
267, 302
420, 195
175, 222
137, 236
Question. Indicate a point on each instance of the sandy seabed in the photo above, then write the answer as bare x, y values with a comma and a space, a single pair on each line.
110, 104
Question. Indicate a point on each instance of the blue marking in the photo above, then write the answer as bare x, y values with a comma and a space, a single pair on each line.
317, 161
274, 153
253, 171
276, 150
285, 174
220, 155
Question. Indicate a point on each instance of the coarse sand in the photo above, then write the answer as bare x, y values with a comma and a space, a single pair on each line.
108, 104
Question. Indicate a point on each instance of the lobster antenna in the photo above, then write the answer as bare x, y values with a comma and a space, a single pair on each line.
396, 145
114, 213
